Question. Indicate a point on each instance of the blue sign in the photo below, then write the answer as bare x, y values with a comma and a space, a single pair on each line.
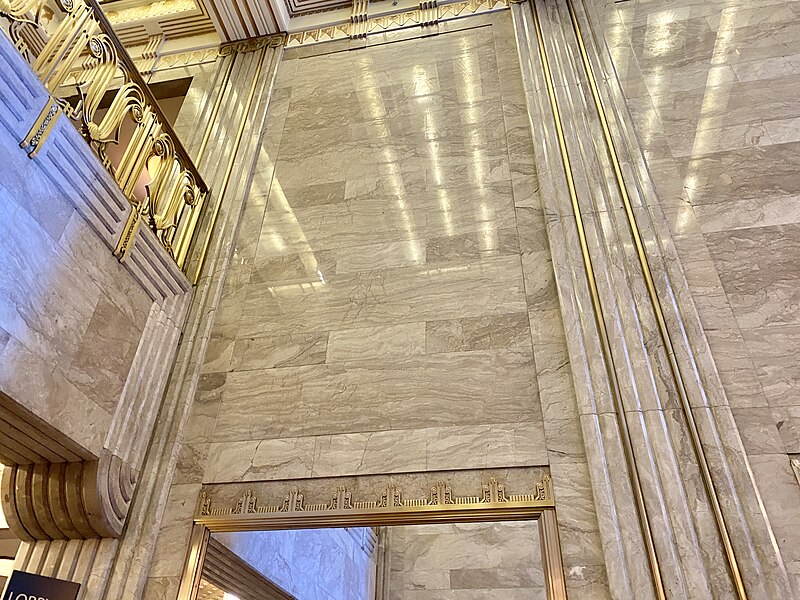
28, 586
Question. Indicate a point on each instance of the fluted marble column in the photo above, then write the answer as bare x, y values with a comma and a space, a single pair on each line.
680, 514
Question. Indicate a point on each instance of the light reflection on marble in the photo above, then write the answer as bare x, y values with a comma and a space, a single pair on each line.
713, 88
378, 317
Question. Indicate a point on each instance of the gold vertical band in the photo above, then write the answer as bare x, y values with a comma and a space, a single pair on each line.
655, 301
602, 330
41, 128
193, 567
554, 580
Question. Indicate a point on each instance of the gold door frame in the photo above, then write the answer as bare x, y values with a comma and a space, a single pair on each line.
439, 507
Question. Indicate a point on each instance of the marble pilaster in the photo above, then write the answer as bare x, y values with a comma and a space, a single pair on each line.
659, 386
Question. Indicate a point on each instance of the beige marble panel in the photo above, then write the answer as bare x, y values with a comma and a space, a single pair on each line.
774, 351
417, 391
374, 298
445, 209
464, 561
472, 246
478, 333
291, 350
758, 269
388, 342
366, 453
381, 255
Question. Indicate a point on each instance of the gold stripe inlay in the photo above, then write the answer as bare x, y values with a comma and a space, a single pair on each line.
659, 314
602, 329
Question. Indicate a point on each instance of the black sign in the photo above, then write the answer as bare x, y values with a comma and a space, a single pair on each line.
27, 586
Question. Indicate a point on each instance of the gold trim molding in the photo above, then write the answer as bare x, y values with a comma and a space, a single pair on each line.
441, 494
253, 44
426, 15
333, 504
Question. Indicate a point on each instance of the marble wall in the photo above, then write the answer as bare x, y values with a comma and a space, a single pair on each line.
377, 317
71, 316
712, 88
86, 341
464, 561
390, 304
311, 564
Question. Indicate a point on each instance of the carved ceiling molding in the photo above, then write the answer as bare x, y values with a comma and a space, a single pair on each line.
241, 19
136, 21
180, 60
148, 11
271, 41
392, 496
428, 14
297, 8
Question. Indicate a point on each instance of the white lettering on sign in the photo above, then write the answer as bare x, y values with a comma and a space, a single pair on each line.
26, 597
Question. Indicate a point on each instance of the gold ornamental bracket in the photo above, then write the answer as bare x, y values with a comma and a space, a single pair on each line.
72, 48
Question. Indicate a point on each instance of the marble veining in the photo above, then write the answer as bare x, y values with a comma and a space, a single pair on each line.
378, 318
712, 88
464, 561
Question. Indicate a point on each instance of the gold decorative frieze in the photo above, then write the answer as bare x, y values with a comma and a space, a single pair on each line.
186, 59
380, 501
391, 497
253, 44
428, 13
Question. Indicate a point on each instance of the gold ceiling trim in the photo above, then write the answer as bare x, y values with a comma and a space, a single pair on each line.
149, 11
426, 15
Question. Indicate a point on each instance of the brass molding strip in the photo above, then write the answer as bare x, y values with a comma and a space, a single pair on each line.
41, 128
232, 162
380, 508
602, 329
425, 15
375, 517
193, 566
545, 516
655, 301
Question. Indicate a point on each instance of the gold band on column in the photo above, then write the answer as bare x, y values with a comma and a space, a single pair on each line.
602, 329
655, 301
